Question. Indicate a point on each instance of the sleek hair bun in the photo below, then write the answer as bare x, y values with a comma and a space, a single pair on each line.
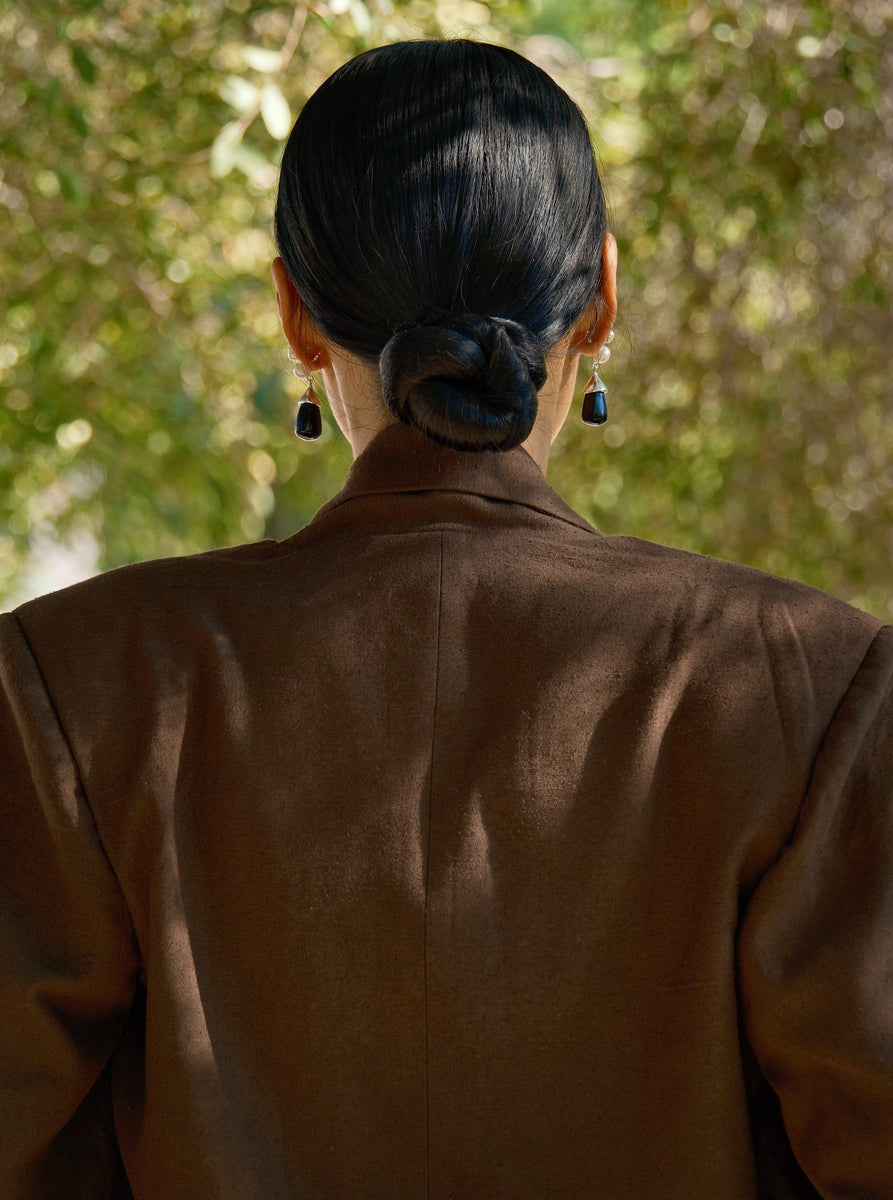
466, 381
464, 182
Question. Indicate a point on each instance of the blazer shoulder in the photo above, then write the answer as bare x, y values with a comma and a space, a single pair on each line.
731, 587
729, 617
152, 584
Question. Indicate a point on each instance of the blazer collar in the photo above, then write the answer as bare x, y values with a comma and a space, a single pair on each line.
401, 459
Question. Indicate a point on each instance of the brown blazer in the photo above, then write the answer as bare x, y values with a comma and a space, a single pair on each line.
447, 849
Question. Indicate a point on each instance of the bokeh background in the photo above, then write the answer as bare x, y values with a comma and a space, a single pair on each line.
147, 405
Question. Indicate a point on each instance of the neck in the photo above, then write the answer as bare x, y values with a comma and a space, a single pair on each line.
353, 391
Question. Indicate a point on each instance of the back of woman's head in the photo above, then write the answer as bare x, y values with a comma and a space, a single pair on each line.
440, 213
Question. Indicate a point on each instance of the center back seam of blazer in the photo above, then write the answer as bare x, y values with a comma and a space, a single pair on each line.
428, 858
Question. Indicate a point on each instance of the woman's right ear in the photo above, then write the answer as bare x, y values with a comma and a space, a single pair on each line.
297, 324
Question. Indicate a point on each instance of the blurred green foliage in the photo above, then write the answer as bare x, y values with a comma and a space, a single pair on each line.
146, 398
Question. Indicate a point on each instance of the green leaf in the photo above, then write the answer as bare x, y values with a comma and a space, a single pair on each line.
72, 186
83, 64
51, 95
76, 119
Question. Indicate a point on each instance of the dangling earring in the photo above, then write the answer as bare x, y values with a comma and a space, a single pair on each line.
595, 405
308, 419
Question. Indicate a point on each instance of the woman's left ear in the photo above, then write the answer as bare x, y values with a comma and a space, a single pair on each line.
297, 324
598, 320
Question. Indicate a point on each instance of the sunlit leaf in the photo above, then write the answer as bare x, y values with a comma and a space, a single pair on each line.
261, 59
363, 21
275, 112
250, 161
223, 149
240, 94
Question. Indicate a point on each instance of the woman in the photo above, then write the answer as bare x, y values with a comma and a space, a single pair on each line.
447, 848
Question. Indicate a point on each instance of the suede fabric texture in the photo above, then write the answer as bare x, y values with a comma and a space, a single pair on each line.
448, 849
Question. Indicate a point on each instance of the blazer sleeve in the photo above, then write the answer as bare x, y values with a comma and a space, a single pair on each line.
815, 952
68, 962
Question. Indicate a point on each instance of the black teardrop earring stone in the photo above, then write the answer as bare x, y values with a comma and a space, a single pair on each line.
308, 421
595, 408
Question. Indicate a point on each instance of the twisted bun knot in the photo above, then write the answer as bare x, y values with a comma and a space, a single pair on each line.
466, 381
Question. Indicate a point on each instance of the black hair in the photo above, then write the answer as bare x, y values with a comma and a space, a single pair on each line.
440, 213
